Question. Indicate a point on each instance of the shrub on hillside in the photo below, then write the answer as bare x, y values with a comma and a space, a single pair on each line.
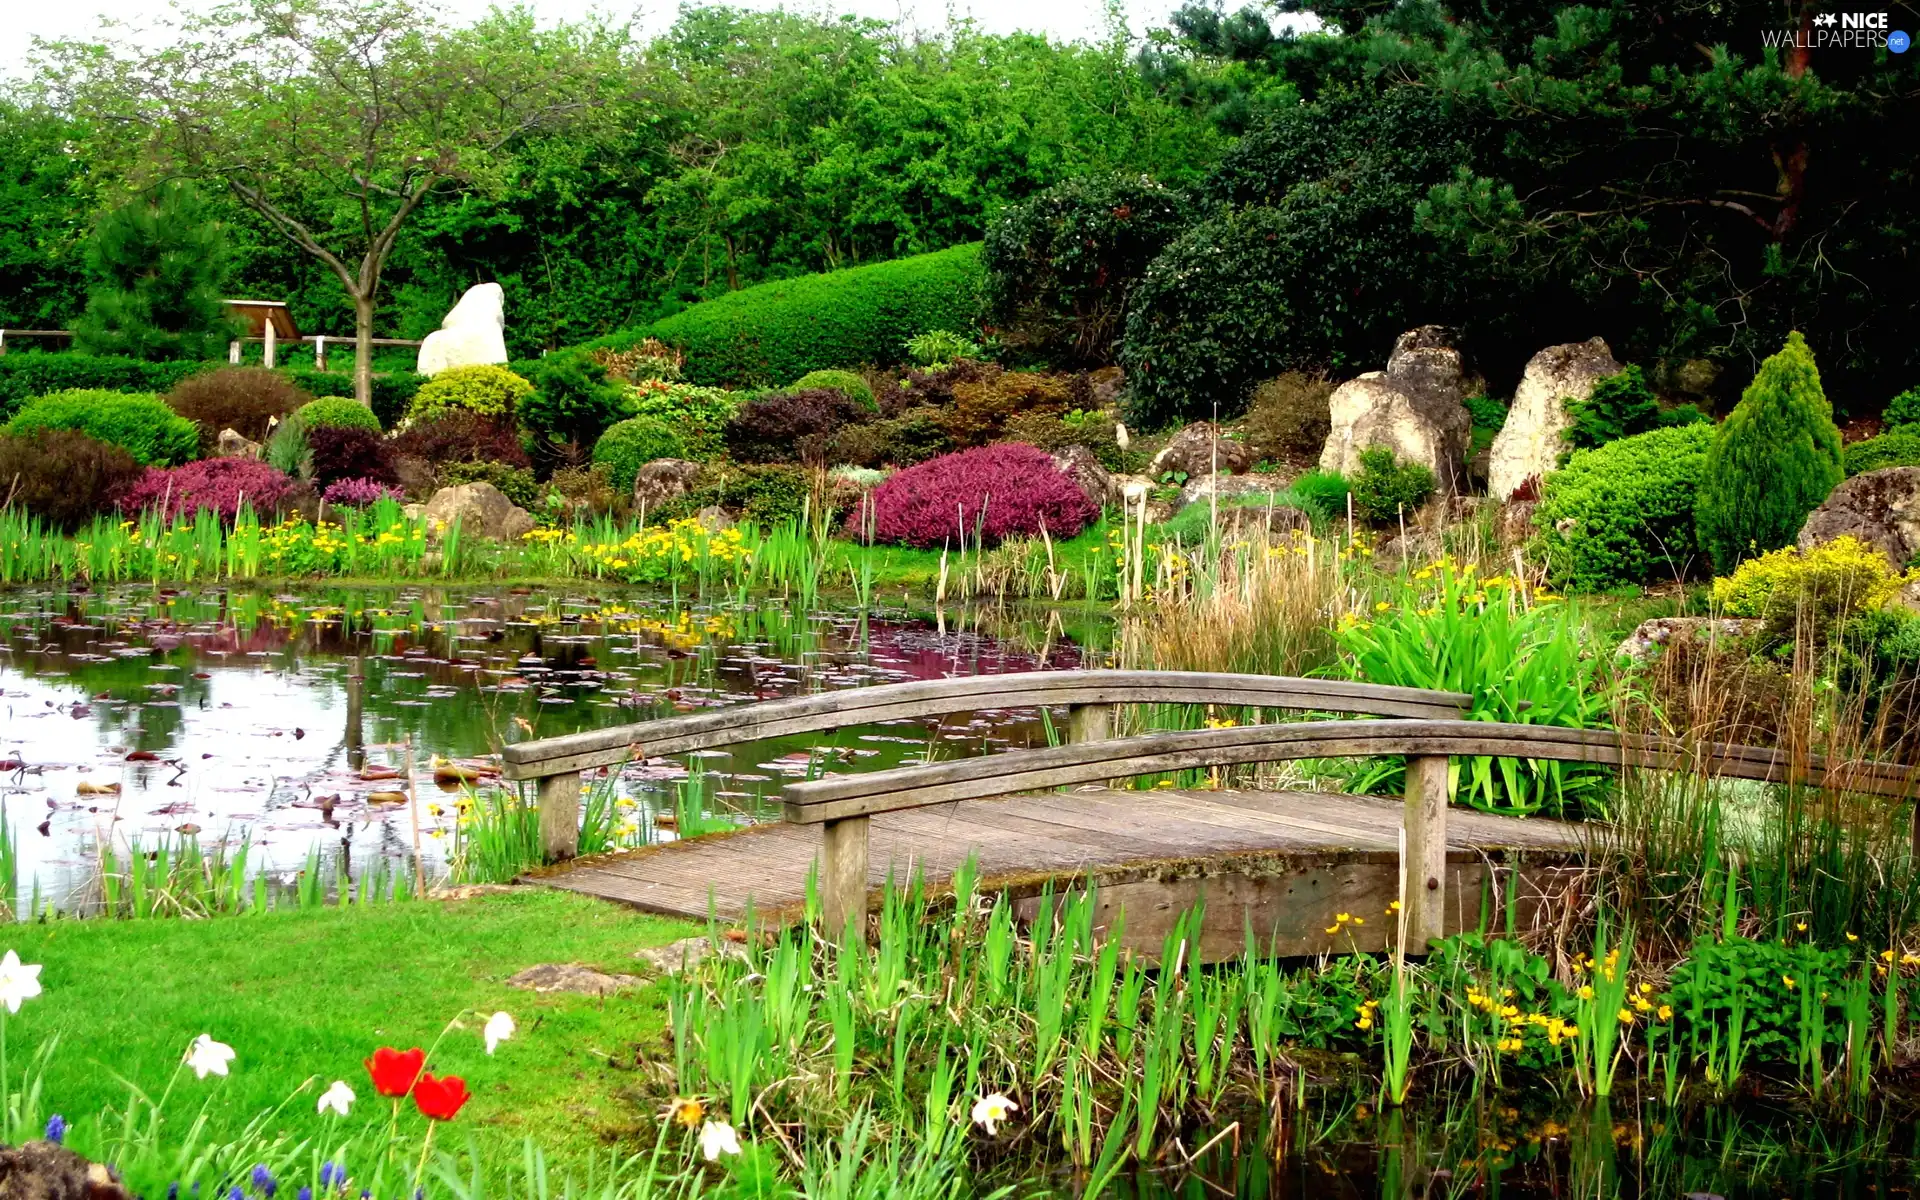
338, 411
571, 405
792, 426
219, 484
515, 482
1903, 409
1622, 513
1055, 431
912, 437
1773, 461
1288, 417
1815, 591
698, 414
761, 335
991, 492
1323, 492
940, 348
982, 408
348, 452
840, 381
63, 476
628, 445
1899, 447
140, 424
453, 436
1622, 405
358, 493
1060, 266
486, 389
930, 387
1386, 491
244, 399
650, 360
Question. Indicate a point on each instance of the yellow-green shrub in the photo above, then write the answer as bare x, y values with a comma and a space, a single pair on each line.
490, 391
1822, 586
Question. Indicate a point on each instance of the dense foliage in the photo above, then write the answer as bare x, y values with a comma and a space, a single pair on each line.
139, 423
243, 399
572, 403
63, 476
979, 496
1774, 459
338, 410
840, 381
220, 485
348, 452
1620, 406
1898, 447
628, 445
1622, 513
489, 391
791, 426
1386, 491
456, 436
157, 269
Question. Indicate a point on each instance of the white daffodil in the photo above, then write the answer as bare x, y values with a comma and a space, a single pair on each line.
989, 1111
208, 1057
337, 1099
499, 1028
717, 1138
18, 981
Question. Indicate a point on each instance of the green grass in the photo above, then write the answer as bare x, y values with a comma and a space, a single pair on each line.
301, 994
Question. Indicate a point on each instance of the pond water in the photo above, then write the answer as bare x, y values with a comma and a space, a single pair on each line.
141, 715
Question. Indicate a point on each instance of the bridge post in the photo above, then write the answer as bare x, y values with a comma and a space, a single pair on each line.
843, 877
560, 815
1426, 852
1089, 723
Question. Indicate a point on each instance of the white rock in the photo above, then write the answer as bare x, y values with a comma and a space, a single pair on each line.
474, 332
1531, 441
1412, 408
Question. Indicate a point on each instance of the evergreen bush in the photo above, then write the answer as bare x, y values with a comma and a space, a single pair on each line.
698, 414
572, 403
485, 389
1773, 461
1903, 409
1622, 405
516, 483
25, 375
1386, 491
338, 410
628, 445
1622, 513
840, 381
1898, 448
157, 269
139, 423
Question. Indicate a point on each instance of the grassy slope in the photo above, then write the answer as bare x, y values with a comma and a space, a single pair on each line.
312, 993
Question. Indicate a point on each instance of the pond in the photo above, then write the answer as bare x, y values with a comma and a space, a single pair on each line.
137, 717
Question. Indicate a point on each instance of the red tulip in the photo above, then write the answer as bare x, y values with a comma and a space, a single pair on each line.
440, 1098
394, 1071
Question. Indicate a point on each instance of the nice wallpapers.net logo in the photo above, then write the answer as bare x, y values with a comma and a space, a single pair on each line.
1842, 31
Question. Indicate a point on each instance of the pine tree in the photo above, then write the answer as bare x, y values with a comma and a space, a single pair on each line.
1776, 458
158, 267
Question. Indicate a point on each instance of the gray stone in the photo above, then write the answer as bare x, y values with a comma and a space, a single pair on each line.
482, 511
1202, 488
1412, 408
415, 475
233, 444
1534, 436
687, 953
1881, 508
473, 333
1665, 631
573, 977
1199, 449
714, 519
665, 479
1083, 466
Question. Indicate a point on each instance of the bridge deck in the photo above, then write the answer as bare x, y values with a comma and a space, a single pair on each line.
1288, 862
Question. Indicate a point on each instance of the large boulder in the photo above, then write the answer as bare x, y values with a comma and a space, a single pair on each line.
481, 510
473, 333
665, 479
43, 1170
1412, 408
1084, 467
233, 444
1534, 436
1198, 450
1881, 508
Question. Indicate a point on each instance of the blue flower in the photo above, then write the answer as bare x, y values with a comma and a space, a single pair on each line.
263, 1181
306, 1193
236, 1193
326, 1174
173, 1190
56, 1129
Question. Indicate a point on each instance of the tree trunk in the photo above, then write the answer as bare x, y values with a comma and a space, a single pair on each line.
363, 350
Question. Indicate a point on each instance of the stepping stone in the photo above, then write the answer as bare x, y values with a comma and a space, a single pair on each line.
572, 977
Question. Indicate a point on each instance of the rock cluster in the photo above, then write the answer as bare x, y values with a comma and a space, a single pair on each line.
1412, 408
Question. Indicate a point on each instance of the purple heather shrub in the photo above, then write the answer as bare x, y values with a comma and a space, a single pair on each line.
357, 492
1017, 486
220, 484
349, 452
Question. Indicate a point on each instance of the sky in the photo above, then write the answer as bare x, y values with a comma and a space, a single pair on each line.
1064, 19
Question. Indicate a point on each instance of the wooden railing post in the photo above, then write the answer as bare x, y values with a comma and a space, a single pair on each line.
560, 815
1426, 852
1089, 723
843, 877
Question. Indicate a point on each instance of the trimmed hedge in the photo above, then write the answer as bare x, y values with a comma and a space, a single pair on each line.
338, 411
765, 335
628, 445
1899, 447
33, 373
1628, 506
139, 423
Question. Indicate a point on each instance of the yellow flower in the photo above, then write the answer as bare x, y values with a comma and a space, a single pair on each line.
1586, 992
1365, 1022
1666, 1012
1788, 980
1801, 926
1625, 1017
686, 1112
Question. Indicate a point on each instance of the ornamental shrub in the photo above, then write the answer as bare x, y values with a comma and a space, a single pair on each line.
993, 492
486, 389
912, 437
338, 410
23, 376
1773, 461
1288, 417
157, 269
1903, 409
1060, 266
140, 424
942, 347
218, 484
1055, 431
516, 483
348, 452
761, 335
1622, 405
454, 435
650, 360
1899, 447
769, 494
1323, 492
572, 403
791, 426
698, 414
1816, 591
840, 381
628, 445
1386, 491
244, 399
1622, 513
358, 493
982, 408
63, 476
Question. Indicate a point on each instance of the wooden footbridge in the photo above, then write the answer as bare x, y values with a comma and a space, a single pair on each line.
1287, 865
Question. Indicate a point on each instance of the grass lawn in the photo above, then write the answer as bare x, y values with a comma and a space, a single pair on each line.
301, 994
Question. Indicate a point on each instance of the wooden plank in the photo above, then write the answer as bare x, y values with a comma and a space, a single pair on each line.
1423, 855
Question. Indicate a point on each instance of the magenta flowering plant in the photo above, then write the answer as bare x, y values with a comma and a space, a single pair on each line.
355, 493
992, 493
219, 484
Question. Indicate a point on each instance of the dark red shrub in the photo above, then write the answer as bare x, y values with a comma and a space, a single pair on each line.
63, 476
349, 452
243, 399
792, 426
456, 436
1017, 485
219, 484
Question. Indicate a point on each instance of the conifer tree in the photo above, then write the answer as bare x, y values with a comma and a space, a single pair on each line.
1773, 461
158, 266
